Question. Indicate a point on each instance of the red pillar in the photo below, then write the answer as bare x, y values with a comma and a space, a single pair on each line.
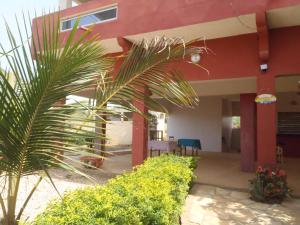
100, 129
139, 135
266, 122
248, 131
60, 103
139, 125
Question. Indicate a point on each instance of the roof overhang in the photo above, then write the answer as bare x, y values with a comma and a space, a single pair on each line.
244, 24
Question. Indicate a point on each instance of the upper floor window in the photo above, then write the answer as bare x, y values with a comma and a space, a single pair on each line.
92, 18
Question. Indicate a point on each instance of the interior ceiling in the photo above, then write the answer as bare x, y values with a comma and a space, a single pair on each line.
288, 84
284, 17
232, 88
225, 87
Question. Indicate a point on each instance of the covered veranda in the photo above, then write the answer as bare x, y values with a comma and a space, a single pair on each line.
223, 162
258, 122
223, 170
259, 43
235, 78
220, 169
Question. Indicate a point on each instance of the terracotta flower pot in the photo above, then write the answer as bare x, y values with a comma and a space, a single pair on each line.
92, 161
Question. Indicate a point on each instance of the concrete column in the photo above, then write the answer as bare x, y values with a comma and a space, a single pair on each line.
266, 122
60, 103
64, 4
139, 123
101, 131
139, 135
248, 131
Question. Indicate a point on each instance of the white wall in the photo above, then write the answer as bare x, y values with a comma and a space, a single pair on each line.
226, 124
203, 122
64, 4
119, 132
284, 102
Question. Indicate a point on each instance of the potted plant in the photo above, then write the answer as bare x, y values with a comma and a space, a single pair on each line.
269, 186
93, 161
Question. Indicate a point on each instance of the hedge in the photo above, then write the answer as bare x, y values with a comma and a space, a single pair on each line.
153, 194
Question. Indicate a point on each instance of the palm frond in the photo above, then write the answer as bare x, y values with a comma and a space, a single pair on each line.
148, 65
34, 130
36, 133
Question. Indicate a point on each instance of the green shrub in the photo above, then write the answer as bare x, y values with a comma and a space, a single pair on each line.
153, 194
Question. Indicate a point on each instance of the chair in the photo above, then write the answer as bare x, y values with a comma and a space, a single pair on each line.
177, 150
279, 154
156, 135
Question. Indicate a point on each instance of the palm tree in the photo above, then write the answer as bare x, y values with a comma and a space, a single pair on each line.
35, 131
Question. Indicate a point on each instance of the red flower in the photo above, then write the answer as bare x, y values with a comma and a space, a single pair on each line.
281, 173
259, 169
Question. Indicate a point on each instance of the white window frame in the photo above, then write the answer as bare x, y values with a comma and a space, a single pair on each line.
91, 13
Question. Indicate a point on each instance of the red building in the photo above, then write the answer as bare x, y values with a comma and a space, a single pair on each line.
255, 49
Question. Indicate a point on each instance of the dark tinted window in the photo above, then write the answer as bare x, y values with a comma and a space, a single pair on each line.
289, 123
97, 17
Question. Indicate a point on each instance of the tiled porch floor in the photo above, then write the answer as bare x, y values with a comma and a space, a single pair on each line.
223, 170
208, 205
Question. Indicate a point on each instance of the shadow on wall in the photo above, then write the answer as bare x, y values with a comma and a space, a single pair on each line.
235, 140
231, 125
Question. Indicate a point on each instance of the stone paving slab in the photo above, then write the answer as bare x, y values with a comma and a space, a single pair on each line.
209, 205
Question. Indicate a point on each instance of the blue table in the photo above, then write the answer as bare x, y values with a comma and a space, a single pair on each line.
195, 144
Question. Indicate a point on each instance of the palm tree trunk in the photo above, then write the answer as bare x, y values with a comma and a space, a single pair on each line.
28, 198
101, 129
13, 187
103, 133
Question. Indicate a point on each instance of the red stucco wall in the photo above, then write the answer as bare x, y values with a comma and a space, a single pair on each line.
233, 57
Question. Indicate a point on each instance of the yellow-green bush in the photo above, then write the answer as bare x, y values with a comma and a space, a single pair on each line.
151, 195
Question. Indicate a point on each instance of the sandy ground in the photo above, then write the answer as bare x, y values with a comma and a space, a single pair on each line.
64, 181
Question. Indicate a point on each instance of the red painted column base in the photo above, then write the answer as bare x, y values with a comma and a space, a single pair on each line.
248, 131
139, 135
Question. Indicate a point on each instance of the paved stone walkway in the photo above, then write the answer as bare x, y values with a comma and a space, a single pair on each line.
208, 205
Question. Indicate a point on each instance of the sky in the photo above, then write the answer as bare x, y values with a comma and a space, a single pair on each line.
11, 8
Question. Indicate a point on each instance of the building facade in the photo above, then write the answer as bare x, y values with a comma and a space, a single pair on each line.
255, 49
